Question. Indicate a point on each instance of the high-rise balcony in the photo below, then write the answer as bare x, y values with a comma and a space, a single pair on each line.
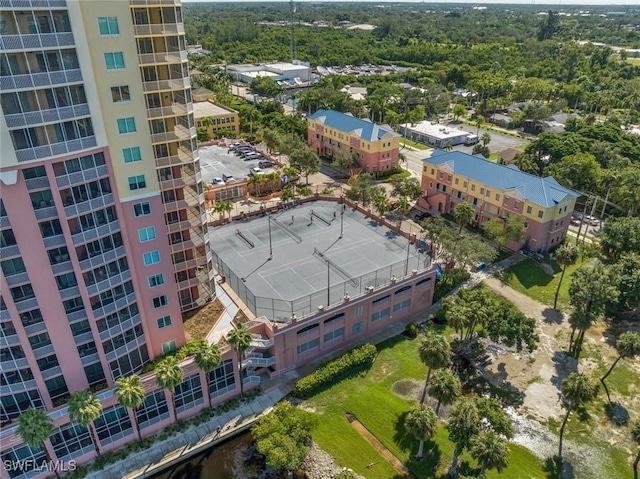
55, 149
175, 109
95, 233
82, 176
138, 3
23, 120
158, 29
33, 4
36, 41
161, 85
179, 133
164, 57
39, 80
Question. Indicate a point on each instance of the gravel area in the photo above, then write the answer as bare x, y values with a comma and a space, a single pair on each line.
319, 464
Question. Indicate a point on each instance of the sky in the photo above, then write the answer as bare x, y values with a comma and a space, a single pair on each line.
611, 4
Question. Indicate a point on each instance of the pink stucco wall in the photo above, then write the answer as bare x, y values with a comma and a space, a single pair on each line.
287, 340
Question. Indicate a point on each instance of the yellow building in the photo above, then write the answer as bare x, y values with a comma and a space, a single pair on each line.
216, 118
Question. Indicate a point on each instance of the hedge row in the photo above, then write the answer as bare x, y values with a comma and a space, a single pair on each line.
335, 369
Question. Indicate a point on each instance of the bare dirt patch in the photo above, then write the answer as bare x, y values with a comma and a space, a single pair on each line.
407, 388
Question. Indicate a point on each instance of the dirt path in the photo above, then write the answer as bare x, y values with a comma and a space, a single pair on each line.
540, 374
378, 446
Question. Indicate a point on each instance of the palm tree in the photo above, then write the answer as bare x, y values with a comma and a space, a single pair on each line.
635, 435
381, 202
490, 450
464, 423
421, 421
479, 123
577, 390
208, 358
240, 339
485, 139
445, 387
35, 427
463, 214
435, 353
402, 205
131, 395
628, 346
84, 409
169, 375
566, 255
448, 145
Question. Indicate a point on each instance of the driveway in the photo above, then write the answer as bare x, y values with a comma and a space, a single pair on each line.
499, 141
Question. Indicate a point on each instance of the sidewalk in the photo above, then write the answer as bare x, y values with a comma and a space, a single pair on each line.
194, 440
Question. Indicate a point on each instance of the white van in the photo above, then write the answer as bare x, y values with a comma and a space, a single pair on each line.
471, 140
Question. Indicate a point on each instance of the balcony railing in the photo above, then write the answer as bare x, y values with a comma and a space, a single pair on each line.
154, 2
261, 342
101, 259
179, 133
82, 176
55, 149
164, 57
120, 327
173, 110
38, 80
23, 120
108, 283
83, 207
39, 4
94, 233
158, 29
36, 41
16, 279
179, 84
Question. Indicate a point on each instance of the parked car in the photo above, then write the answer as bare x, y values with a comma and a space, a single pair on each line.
227, 178
255, 171
421, 215
218, 181
265, 164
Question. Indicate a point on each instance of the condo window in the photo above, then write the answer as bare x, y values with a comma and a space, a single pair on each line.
155, 280
529, 209
151, 257
142, 209
108, 25
540, 214
146, 234
131, 155
164, 322
126, 125
160, 301
114, 60
168, 346
137, 182
120, 93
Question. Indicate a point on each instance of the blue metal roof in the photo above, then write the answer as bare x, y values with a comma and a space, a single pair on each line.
346, 122
546, 192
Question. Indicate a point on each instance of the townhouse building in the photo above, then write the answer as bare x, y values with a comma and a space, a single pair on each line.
375, 148
497, 191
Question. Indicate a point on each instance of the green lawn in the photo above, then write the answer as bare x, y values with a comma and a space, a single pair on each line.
414, 144
370, 398
529, 278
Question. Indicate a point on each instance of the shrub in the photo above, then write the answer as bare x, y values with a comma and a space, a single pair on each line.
450, 280
411, 330
351, 361
189, 349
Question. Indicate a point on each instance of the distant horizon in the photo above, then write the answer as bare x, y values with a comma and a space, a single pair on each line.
533, 3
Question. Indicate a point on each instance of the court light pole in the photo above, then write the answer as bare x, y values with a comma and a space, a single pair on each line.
341, 217
328, 284
270, 243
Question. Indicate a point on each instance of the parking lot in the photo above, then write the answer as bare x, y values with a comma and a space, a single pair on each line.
216, 161
499, 141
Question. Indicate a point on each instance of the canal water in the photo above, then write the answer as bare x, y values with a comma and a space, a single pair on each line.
223, 461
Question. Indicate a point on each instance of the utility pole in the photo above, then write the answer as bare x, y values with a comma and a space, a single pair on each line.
293, 38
